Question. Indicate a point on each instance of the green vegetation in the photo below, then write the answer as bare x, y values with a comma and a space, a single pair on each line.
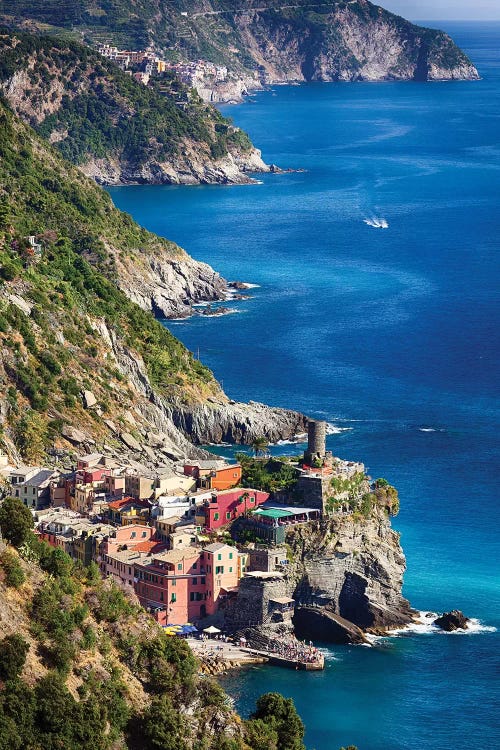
102, 112
13, 571
13, 652
102, 674
55, 352
276, 722
16, 521
269, 474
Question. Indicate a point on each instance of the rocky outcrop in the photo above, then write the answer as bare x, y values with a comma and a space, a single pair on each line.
191, 165
232, 422
352, 567
450, 621
169, 285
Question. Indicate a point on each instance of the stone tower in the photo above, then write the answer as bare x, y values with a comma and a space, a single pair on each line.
316, 442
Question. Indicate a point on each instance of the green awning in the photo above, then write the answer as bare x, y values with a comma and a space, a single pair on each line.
273, 513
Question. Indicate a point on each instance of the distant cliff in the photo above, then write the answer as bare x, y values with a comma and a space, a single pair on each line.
274, 40
115, 129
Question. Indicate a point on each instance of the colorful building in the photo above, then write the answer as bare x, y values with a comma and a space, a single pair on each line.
224, 507
222, 574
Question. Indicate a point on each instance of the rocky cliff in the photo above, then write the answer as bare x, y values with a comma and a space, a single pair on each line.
77, 318
352, 567
117, 130
222, 421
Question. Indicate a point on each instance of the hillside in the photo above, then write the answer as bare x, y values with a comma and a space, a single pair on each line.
272, 40
82, 665
77, 313
114, 128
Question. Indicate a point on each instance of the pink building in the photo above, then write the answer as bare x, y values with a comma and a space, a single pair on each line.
224, 507
221, 562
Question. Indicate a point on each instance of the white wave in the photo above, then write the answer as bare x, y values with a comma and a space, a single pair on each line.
431, 429
424, 625
377, 223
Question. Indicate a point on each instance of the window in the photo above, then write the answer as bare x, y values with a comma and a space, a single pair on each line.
228, 516
203, 580
195, 565
252, 500
179, 566
219, 557
216, 516
132, 535
174, 598
230, 555
219, 570
195, 581
144, 533
230, 570
174, 582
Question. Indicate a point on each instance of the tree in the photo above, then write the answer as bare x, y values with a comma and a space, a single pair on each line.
163, 727
16, 521
260, 736
280, 715
260, 446
13, 652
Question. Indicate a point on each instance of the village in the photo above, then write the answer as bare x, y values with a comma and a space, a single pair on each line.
174, 537
144, 65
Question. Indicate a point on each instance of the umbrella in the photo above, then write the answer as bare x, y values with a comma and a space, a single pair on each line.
211, 630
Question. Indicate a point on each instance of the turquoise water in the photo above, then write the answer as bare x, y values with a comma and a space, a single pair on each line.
390, 334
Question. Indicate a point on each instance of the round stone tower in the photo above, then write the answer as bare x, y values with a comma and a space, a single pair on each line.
316, 442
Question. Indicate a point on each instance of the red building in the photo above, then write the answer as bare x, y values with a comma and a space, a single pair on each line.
224, 507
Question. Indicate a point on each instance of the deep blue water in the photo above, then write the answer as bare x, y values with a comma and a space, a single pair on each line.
383, 332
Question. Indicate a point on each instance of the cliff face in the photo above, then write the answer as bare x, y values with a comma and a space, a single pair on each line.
115, 129
222, 421
352, 567
280, 41
348, 42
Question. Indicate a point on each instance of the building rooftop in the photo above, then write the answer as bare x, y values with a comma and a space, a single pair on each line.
216, 547
272, 513
43, 476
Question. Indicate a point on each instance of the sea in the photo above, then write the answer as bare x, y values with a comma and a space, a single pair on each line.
375, 307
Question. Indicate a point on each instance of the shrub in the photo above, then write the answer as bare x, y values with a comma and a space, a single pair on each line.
14, 574
13, 652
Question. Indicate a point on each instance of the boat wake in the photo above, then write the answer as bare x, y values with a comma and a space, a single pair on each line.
377, 223
333, 429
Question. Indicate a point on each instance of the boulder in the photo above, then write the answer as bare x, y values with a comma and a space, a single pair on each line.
73, 435
454, 620
110, 425
130, 442
89, 400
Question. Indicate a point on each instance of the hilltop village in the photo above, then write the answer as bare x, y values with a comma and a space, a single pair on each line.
195, 545
214, 83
